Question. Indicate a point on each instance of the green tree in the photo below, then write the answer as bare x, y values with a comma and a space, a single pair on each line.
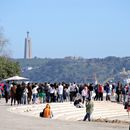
8, 67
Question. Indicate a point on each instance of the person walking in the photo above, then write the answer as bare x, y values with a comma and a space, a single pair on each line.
89, 109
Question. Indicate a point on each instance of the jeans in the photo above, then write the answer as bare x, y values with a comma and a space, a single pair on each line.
34, 98
24, 99
60, 97
87, 116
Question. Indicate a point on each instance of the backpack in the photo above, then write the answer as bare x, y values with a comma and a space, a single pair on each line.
41, 114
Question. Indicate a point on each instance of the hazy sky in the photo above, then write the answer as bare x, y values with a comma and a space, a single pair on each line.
59, 28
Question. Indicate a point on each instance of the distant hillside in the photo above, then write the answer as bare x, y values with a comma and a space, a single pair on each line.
71, 69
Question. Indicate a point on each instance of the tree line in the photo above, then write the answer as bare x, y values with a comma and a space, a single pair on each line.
74, 70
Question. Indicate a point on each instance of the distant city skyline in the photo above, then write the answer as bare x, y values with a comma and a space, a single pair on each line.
89, 29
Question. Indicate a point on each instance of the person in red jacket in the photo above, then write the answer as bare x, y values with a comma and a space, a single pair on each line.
100, 91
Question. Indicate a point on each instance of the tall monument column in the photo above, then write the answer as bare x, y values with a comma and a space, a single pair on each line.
28, 47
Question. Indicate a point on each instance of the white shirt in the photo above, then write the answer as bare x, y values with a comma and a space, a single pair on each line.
84, 93
60, 89
34, 90
52, 90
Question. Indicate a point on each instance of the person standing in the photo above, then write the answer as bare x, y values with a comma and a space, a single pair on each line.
52, 91
25, 94
0, 91
85, 93
100, 92
19, 94
118, 91
60, 92
89, 109
29, 97
6, 91
96, 92
108, 93
41, 93
34, 93
13, 94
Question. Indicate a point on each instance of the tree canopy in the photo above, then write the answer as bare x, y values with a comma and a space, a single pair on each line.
8, 67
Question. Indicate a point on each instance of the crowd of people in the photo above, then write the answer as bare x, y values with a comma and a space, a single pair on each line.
34, 93
78, 94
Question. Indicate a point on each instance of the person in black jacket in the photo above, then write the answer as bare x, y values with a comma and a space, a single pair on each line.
90, 87
19, 94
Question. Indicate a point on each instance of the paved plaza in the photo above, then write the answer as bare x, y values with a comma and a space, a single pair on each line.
66, 117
